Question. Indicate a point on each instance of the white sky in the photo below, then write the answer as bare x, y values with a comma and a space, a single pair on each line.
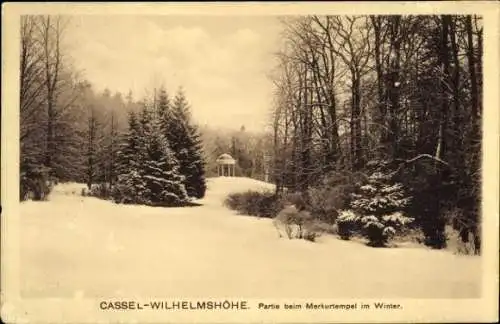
222, 62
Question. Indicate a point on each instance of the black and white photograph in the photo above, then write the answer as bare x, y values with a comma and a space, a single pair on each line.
296, 163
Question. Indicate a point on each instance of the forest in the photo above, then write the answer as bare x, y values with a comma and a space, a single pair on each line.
378, 105
147, 151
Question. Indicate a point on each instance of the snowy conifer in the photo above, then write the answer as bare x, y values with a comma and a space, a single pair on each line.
185, 142
164, 183
380, 204
130, 184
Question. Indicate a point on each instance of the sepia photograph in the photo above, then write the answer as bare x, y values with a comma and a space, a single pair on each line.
256, 162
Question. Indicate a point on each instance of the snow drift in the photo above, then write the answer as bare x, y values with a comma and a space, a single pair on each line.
74, 246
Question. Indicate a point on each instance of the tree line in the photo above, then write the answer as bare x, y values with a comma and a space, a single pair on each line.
401, 91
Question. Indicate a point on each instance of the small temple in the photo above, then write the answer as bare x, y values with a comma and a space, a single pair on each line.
226, 165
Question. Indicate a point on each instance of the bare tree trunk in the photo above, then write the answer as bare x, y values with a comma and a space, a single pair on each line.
381, 115
51, 35
444, 61
91, 149
472, 73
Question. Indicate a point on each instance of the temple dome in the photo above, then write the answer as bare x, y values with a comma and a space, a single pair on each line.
225, 159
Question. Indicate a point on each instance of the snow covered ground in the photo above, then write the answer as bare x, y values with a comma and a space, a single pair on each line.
75, 246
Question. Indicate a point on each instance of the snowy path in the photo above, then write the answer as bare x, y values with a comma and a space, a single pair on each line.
85, 247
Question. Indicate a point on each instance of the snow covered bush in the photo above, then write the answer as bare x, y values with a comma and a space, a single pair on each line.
380, 203
347, 222
254, 203
316, 228
297, 224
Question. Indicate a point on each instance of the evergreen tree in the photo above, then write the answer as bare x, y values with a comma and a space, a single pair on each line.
379, 206
163, 106
164, 182
128, 152
130, 185
195, 180
149, 171
185, 142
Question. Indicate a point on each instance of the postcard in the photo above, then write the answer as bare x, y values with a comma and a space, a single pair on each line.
242, 162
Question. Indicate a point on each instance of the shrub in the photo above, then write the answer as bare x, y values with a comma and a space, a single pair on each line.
100, 190
298, 224
325, 202
460, 232
456, 244
310, 236
347, 223
379, 230
295, 198
254, 203
286, 219
316, 228
34, 183
331, 194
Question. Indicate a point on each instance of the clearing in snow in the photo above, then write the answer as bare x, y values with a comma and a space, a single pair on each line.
74, 246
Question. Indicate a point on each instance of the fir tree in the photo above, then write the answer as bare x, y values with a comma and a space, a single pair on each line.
164, 182
185, 142
163, 106
380, 204
195, 180
128, 152
130, 185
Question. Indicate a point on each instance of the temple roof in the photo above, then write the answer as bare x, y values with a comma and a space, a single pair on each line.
225, 159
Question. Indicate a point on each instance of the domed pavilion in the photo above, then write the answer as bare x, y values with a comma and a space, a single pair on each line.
226, 165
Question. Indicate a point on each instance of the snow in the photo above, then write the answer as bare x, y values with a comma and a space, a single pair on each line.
83, 247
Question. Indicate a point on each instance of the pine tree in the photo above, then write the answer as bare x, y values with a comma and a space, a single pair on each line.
164, 183
185, 142
127, 154
163, 106
130, 185
380, 204
195, 180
